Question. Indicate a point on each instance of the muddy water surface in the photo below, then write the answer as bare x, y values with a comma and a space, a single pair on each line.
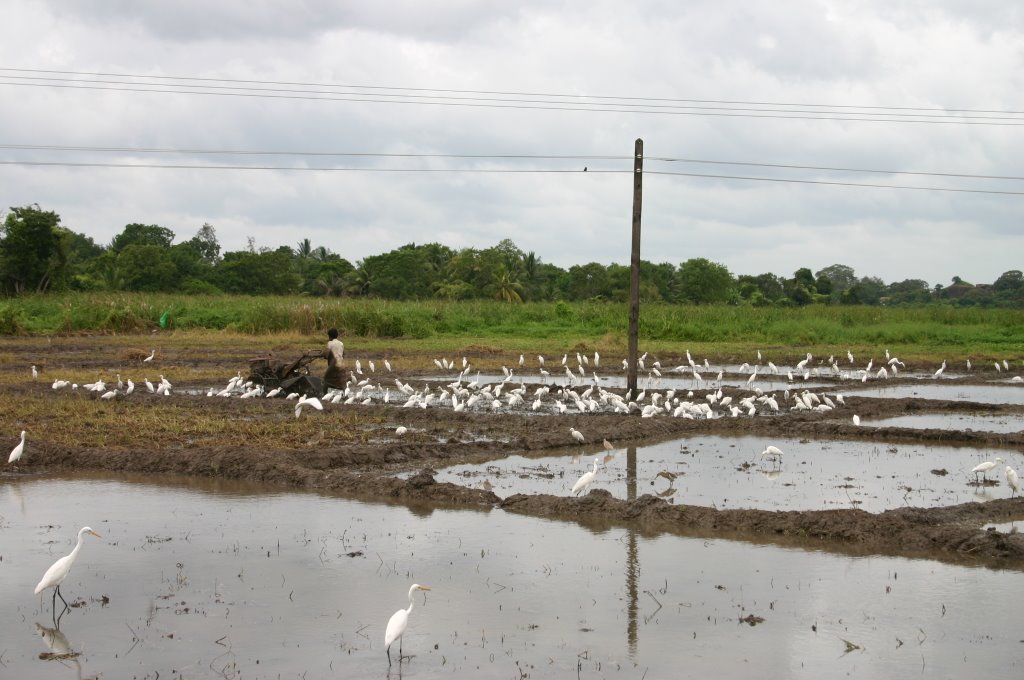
230, 580
952, 421
728, 472
982, 394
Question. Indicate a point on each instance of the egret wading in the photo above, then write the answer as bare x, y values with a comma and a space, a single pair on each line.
397, 624
580, 487
984, 468
60, 569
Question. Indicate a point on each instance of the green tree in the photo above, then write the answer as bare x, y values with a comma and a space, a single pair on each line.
31, 258
587, 282
206, 244
264, 273
506, 287
840, 276
142, 235
702, 281
147, 268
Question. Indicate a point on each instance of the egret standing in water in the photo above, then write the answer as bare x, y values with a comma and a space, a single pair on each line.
397, 623
577, 435
586, 480
984, 468
1013, 480
60, 569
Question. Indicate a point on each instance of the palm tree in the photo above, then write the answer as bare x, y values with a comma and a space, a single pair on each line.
358, 281
507, 288
305, 249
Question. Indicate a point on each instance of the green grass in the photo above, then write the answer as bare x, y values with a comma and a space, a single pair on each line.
929, 331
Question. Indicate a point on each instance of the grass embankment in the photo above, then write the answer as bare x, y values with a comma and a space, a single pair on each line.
720, 332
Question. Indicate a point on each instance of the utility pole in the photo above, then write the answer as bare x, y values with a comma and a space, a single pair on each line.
634, 270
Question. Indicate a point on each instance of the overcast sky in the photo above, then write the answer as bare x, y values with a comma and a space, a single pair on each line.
819, 63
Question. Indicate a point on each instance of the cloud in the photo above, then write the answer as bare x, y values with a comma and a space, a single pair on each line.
840, 57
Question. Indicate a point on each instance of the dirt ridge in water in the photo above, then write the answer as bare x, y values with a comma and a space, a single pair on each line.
949, 533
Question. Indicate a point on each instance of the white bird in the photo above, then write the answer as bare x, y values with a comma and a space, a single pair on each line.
150, 357
56, 574
35, 373
1013, 480
397, 624
131, 387
387, 365
17, 450
584, 481
307, 401
773, 452
856, 419
983, 468
401, 429
577, 435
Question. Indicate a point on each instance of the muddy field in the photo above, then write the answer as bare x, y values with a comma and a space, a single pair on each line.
353, 449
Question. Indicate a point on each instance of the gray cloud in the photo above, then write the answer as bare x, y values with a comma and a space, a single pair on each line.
902, 54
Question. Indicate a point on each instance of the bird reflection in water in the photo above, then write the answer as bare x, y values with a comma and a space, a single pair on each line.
59, 648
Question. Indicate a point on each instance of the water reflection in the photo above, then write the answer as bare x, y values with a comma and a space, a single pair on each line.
58, 648
262, 584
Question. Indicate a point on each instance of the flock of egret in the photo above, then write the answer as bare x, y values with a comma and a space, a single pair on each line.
463, 394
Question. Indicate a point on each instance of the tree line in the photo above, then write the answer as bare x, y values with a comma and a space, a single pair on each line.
38, 254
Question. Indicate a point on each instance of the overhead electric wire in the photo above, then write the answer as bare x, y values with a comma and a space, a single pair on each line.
498, 171
832, 169
508, 93
565, 103
836, 183
578, 157
451, 99
251, 152
177, 166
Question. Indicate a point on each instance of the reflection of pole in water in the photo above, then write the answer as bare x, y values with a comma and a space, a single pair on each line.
632, 564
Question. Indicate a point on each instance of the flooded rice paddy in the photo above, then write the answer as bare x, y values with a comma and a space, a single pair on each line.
992, 393
217, 579
952, 421
729, 472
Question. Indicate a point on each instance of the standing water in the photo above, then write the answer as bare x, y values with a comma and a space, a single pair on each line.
213, 579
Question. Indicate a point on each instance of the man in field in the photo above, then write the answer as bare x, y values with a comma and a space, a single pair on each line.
335, 355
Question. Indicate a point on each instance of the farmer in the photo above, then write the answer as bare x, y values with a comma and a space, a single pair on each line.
335, 355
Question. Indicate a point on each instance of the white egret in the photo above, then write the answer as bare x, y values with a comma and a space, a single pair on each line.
35, 373
983, 468
17, 450
307, 401
577, 435
580, 487
400, 430
150, 357
56, 574
774, 453
397, 624
1013, 480
856, 419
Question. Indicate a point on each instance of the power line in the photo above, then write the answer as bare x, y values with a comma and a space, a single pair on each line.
247, 152
289, 168
574, 96
529, 105
577, 157
496, 171
834, 169
840, 184
421, 98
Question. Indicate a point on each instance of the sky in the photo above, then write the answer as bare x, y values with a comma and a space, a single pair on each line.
529, 94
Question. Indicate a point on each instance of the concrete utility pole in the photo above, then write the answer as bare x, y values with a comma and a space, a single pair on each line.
634, 270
